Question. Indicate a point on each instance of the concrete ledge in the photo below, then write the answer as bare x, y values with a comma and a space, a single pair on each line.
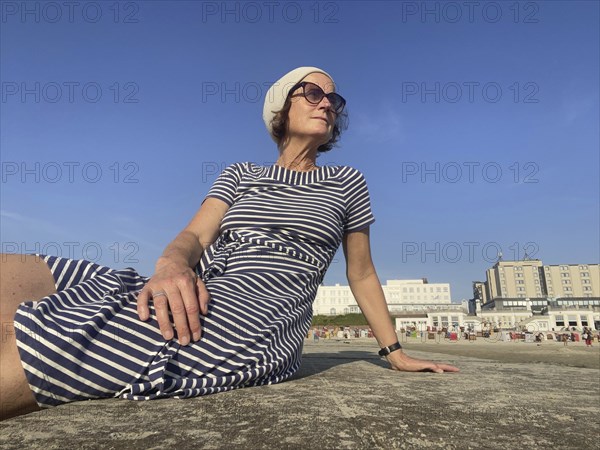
345, 397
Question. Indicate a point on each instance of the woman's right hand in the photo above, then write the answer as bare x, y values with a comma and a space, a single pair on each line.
176, 288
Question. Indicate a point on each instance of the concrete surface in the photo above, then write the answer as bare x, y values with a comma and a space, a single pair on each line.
344, 397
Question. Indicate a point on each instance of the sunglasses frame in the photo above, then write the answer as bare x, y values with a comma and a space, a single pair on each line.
303, 84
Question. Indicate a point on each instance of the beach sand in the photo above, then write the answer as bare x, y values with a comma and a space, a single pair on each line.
575, 354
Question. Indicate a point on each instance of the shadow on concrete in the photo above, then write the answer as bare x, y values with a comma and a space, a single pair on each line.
315, 363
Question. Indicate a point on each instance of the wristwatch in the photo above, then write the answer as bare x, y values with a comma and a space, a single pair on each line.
389, 349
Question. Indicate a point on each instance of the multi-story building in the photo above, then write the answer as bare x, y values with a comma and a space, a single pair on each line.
515, 279
532, 279
480, 291
544, 297
400, 295
572, 280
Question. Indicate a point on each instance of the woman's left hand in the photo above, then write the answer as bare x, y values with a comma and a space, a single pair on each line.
404, 363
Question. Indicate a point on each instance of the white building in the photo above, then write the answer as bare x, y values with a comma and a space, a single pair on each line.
537, 314
400, 295
541, 314
451, 317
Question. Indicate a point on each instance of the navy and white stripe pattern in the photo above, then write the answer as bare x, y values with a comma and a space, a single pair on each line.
276, 241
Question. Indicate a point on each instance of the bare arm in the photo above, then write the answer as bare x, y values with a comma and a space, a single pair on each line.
174, 275
203, 229
368, 293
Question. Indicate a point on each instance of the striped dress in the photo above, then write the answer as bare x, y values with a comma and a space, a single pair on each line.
275, 244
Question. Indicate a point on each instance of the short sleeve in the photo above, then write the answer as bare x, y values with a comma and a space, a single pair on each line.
225, 186
358, 203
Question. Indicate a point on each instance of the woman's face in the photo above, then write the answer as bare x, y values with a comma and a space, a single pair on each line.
308, 121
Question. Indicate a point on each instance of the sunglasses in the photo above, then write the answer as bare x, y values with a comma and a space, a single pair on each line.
314, 94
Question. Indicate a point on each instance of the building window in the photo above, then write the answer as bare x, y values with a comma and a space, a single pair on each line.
519, 275
572, 321
566, 281
520, 282
587, 288
584, 322
332, 311
585, 274
583, 267
560, 321
564, 268
564, 275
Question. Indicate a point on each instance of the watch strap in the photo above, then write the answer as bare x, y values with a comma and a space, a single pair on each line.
389, 349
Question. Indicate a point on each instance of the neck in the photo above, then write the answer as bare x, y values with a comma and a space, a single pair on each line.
297, 155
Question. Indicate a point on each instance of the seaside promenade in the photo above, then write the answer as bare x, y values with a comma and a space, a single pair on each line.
507, 395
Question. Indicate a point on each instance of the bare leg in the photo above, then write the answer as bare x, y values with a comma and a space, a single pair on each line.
22, 278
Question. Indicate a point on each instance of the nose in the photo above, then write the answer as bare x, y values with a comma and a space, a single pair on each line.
325, 103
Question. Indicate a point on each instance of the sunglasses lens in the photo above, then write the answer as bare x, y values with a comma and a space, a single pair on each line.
314, 94
337, 102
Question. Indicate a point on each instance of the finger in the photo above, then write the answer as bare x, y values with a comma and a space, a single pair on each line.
203, 296
142, 304
449, 368
161, 305
192, 312
178, 310
441, 368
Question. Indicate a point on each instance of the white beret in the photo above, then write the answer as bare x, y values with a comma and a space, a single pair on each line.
278, 92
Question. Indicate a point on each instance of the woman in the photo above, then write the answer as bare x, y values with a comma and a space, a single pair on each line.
588, 336
231, 297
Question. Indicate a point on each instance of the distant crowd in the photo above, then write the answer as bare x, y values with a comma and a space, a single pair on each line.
565, 335
339, 332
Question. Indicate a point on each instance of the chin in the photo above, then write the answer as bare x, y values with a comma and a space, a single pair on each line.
324, 140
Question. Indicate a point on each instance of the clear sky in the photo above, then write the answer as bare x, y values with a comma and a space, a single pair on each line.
476, 124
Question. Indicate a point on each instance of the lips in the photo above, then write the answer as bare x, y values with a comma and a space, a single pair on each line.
322, 118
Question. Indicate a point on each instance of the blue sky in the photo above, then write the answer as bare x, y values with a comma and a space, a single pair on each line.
477, 130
